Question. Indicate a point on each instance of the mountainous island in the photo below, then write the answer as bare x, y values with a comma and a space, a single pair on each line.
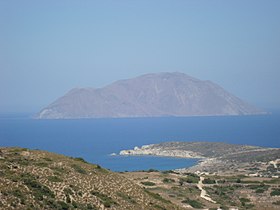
150, 95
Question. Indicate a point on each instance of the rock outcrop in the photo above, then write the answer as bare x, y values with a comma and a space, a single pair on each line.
160, 151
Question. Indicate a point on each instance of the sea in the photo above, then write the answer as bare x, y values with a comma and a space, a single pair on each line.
95, 139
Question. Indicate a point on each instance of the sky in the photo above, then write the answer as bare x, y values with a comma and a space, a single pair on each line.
50, 47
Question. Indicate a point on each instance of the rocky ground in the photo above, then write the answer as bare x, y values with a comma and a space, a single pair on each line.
42, 180
227, 177
211, 191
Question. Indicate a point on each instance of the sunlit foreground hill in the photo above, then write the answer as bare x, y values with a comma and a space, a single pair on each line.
42, 180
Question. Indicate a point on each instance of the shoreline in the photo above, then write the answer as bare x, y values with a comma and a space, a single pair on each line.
198, 161
161, 156
149, 151
197, 167
210, 156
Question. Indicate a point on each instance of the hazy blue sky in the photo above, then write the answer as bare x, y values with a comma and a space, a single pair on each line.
49, 47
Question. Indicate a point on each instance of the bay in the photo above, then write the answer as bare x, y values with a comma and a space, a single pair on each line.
95, 139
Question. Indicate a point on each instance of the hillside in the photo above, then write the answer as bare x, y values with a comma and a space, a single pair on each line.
150, 95
32, 179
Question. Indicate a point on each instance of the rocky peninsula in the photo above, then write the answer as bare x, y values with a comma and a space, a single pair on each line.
156, 150
215, 156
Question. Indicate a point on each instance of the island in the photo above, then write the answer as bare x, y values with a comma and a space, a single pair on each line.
151, 95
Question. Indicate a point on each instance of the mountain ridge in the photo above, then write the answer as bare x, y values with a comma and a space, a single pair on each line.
149, 95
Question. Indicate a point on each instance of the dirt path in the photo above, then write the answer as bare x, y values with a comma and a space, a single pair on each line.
274, 163
203, 193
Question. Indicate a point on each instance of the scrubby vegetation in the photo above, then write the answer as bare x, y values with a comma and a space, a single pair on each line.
167, 180
275, 192
189, 178
106, 200
209, 181
42, 180
193, 203
148, 183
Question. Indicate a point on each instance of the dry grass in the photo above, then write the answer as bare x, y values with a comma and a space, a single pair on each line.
43, 180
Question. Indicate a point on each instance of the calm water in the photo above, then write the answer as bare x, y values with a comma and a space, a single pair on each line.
95, 139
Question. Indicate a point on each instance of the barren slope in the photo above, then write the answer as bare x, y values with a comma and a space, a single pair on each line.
43, 180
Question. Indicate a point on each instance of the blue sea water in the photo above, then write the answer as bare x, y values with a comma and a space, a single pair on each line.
95, 139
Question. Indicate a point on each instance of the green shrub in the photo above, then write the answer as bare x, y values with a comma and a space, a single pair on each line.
68, 191
58, 170
74, 204
126, 197
167, 180
38, 190
147, 183
100, 169
275, 192
68, 199
80, 159
208, 181
54, 179
249, 205
79, 169
152, 170
169, 172
188, 179
42, 164
157, 196
90, 207
47, 159
259, 191
106, 200
62, 205
244, 200
23, 161
193, 203
17, 193
158, 207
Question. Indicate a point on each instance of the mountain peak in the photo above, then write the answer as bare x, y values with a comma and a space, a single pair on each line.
167, 75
